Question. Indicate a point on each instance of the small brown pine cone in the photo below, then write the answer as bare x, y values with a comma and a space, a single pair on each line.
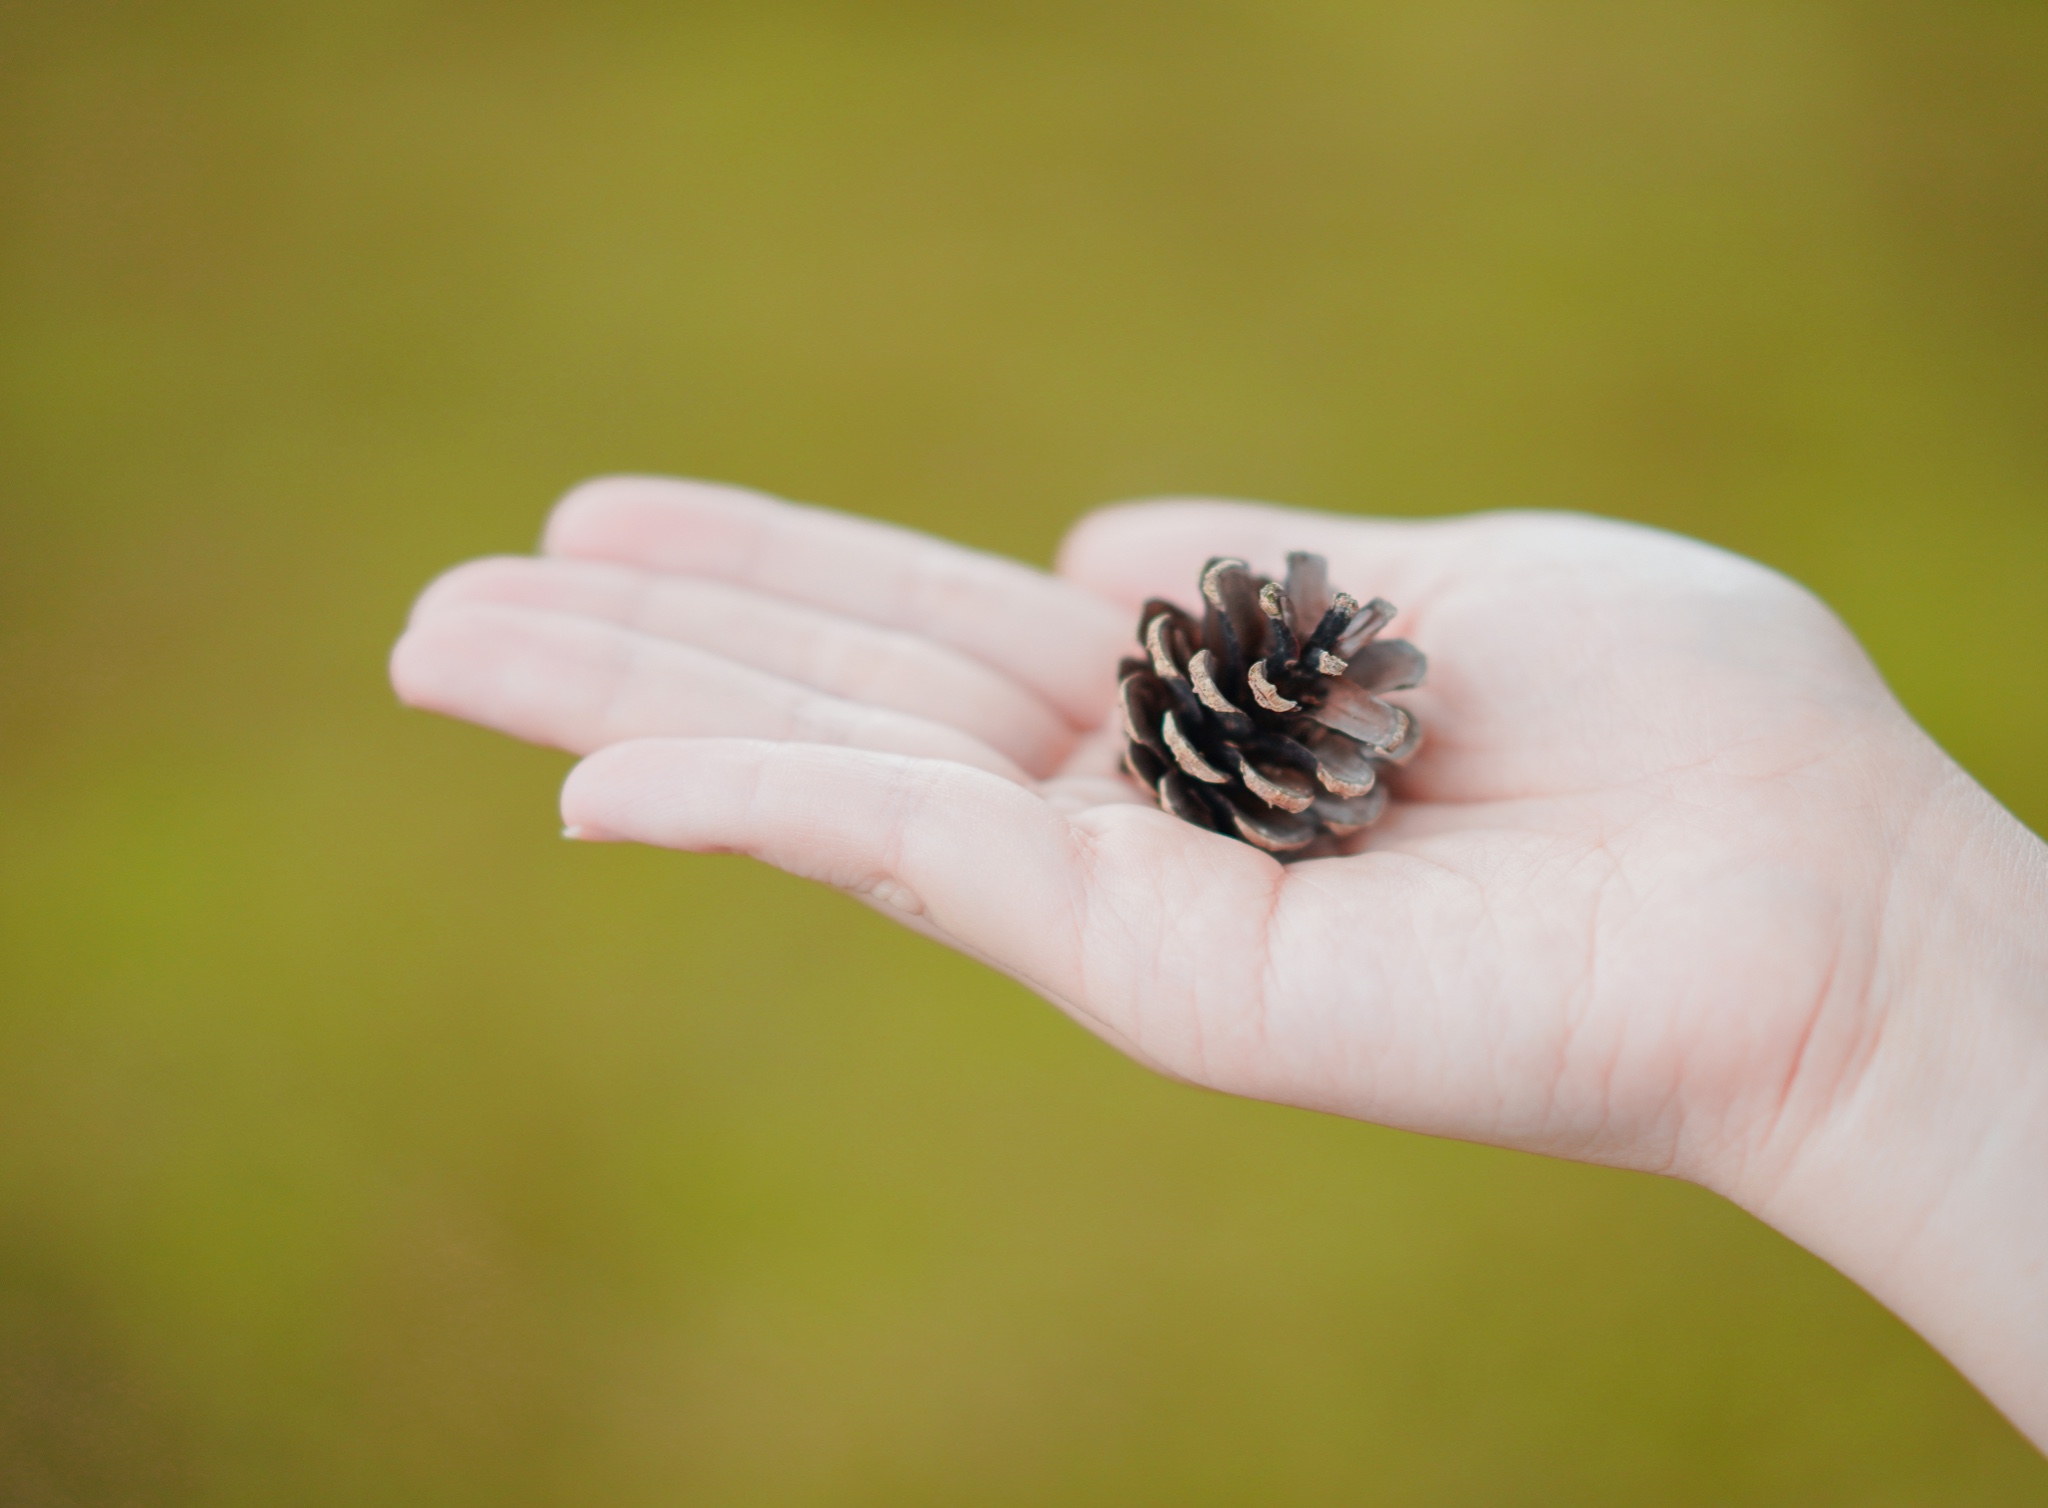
1263, 721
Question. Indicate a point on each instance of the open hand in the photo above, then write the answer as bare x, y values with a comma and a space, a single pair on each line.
1581, 927
1633, 902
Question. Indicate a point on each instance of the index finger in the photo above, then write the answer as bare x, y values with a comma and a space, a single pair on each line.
1058, 639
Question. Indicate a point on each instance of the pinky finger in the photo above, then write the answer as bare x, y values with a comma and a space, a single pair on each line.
1064, 905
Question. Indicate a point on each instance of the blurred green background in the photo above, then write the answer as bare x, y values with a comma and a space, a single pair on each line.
362, 1143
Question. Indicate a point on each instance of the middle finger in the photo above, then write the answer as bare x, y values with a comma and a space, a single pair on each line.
855, 661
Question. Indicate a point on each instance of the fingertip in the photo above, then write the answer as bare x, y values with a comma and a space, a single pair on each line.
443, 662
581, 514
412, 667
610, 517
490, 578
417, 665
603, 784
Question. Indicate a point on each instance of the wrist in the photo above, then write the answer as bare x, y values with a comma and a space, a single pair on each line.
1927, 1181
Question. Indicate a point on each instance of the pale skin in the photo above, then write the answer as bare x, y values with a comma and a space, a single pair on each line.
1675, 884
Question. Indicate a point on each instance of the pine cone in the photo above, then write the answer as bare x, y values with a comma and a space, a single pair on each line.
1263, 721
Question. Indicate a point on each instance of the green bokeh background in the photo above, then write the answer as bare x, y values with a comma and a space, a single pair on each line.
362, 1143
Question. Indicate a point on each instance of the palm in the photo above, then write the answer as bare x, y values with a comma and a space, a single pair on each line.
1583, 928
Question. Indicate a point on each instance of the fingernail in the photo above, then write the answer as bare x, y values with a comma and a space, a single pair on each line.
575, 834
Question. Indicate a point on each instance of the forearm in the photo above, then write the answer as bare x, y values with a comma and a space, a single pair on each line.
1929, 1183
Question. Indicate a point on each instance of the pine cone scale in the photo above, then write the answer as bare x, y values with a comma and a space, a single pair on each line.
1308, 588
1355, 712
1387, 665
1187, 756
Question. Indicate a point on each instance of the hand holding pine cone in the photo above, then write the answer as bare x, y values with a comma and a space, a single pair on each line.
1263, 721
747, 686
